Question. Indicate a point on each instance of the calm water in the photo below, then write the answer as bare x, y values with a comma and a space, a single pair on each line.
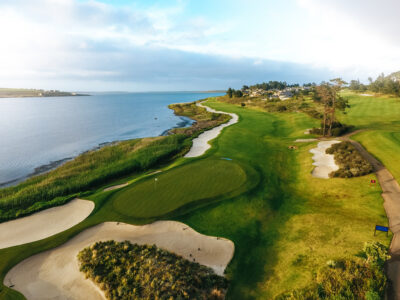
38, 131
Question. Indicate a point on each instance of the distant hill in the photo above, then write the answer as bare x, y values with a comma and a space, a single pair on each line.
16, 93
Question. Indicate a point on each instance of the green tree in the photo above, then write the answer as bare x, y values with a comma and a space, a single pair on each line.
229, 93
238, 93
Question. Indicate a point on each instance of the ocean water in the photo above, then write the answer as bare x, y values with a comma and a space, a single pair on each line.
39, 133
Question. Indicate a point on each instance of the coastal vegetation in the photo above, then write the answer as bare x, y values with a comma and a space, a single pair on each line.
204, 119
131, 271
349, 160
89, 170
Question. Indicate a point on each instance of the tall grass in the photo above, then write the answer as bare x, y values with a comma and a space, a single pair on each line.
88, 171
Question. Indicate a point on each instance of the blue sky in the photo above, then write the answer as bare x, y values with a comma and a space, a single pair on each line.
191, 44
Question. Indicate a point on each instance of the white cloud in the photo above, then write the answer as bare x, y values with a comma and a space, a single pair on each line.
50, 41
349, 36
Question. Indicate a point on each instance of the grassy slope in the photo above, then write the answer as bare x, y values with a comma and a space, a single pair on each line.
284, 228
380, 115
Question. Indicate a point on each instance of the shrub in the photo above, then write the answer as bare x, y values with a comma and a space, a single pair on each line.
348, 279
281, 108
131, 271
351, 163
376, 254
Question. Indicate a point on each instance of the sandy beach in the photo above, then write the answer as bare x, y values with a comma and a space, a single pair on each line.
324, 163
55, 274
200, 144
44, 223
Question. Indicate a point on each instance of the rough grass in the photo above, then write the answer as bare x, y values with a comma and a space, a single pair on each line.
161, 194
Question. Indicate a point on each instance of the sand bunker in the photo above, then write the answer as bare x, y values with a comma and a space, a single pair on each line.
305, 140
366, 95
200, 144
44, 223
114, 187
55, 274
324, 163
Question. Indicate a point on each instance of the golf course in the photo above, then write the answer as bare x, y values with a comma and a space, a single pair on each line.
252, 188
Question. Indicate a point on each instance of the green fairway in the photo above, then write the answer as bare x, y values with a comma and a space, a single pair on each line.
371, 112
380, 116
161, 194
384, 145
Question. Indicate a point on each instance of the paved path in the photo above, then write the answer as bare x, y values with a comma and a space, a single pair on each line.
391, 196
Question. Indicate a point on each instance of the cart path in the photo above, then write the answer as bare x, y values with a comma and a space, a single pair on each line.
391, 197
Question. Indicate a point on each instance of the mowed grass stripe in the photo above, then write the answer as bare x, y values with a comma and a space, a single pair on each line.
371, 112
205, 179
385, 145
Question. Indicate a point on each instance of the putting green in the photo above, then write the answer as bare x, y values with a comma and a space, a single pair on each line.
164, 193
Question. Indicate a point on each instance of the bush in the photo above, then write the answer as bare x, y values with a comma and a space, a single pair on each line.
348, 279
351, 163
131, 271
281, 108
376, 254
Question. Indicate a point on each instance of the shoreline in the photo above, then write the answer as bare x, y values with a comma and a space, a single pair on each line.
52, 165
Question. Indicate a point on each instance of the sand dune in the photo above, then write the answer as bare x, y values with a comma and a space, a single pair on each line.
55, 274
